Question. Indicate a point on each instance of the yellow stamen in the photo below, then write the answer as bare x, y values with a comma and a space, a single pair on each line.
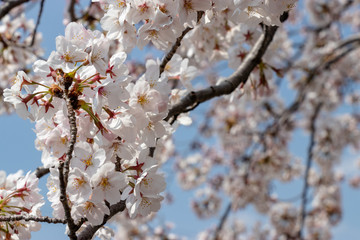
142, 99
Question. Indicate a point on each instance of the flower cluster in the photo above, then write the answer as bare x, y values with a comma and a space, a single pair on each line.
118, 120
16, 50
122, 138
165, 20
19, 196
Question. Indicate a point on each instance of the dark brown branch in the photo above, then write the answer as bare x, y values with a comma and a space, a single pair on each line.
41, 171
151, 151
176, 45
64, 167
37, 23
73, 132
117, 164
64, 202
173, 49
85, 15
350, 40
89, 231
32, 218
227, 86
222, 222
71, 10
8, 6
308, 166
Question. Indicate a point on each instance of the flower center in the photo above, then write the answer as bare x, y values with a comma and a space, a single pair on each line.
188, 5
104, 183
79, 182
142, 99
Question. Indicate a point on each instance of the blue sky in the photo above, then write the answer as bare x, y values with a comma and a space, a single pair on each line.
18, 152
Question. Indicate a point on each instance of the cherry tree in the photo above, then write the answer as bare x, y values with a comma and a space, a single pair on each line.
262, 70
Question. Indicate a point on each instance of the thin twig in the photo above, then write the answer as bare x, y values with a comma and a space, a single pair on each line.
335, 16
177, 44
8, 6
37, 23
308, 166
86, 15
173, 49
222, 222
25, 47
227, 86
342, 49
32, 218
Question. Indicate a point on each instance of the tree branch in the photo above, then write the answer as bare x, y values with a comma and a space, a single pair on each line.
227, 86
176, 45
173, 49
32, 218
222, 222
336, 15
64, 166
89, 231
308, 166
37, 23
342, 49
73, 132
64, 202
71, 10
8, 6
41, 171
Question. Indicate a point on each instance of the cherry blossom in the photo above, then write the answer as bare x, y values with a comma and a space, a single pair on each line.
107, 124
107, 184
